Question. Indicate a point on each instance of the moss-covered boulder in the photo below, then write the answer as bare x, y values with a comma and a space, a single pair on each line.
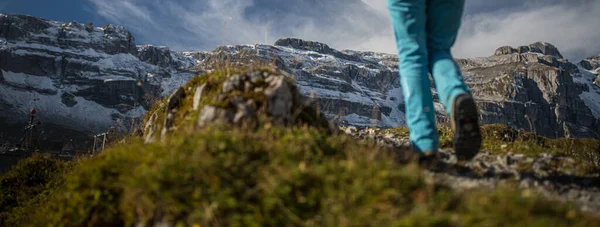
233, 98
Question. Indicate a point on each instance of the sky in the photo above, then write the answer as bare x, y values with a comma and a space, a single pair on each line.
571, 25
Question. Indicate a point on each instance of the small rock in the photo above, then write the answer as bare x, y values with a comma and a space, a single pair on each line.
256, 78
175, 98
149, 129
234, 83
198, 97
351, 130
211, 114
244, 111
172, 103
280, 99
248, 87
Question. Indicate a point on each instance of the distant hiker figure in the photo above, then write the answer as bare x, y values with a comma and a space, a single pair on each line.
425, 30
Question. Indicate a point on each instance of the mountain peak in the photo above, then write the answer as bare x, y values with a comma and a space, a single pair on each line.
540, 47
304, 45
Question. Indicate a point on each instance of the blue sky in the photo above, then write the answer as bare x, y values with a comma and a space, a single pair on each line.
571, 25
62, 10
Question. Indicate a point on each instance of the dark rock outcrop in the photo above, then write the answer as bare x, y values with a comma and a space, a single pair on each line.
165, 58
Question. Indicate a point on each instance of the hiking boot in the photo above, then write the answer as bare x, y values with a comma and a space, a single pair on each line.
427, 158
467, 135
407, 153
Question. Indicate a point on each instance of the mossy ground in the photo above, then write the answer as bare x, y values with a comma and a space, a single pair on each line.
29, 183
502, 139
268, 176
280, 176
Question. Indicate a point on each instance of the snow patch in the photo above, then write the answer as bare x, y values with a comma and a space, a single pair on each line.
591, 98
28, 81
168, 85
357, 120
396, 118
86, 115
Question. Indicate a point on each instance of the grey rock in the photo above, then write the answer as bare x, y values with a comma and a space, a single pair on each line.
591, 63
546, 49
351, 130
68, 99
234, 83
242, 102
210, 115
256, 77
164, 57
244, 112
173, 102
505, 50
150, 128
280, 99
198, 96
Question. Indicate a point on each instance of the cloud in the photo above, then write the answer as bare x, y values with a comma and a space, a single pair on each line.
350, 24
181, 26
570, 25
572, 28
187, 24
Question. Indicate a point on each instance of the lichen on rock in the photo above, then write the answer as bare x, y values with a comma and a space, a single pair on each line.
252, 98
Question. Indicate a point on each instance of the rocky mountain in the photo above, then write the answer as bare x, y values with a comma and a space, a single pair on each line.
81, 79
84, 79
533, 87
592, 65
530, 87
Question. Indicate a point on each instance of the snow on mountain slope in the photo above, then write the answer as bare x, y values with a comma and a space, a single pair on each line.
81, 77
531, 88
591, 93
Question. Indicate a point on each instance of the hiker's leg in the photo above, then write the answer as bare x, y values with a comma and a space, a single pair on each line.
409, 20
443, 22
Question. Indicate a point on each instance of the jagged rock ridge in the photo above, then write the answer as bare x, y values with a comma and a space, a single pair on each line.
530, 87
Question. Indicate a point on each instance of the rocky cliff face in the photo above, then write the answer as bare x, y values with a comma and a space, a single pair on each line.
79, 77
357, 88
83, 78
534, 88
530, 87
592, 65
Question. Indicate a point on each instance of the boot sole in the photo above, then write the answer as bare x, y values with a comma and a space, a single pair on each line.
467, 135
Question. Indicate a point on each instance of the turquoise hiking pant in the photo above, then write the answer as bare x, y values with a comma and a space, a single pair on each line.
425, 30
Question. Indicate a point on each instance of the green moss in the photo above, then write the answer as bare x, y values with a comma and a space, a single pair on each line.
28, 184
185, 120
278, 176
502, 139
401, 132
